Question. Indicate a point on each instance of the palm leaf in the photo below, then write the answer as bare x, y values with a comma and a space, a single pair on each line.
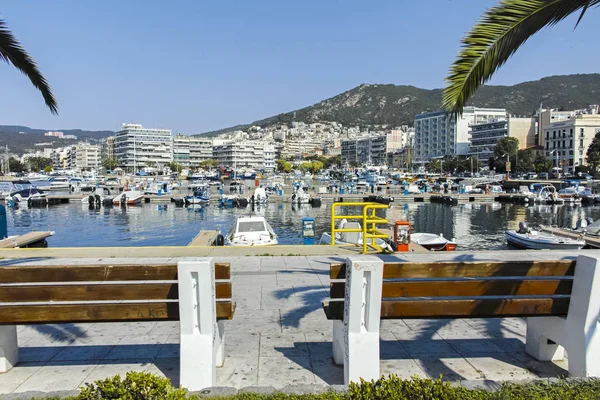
13, 53
495, 38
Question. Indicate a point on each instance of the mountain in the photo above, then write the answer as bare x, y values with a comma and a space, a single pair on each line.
392, 105
21, 139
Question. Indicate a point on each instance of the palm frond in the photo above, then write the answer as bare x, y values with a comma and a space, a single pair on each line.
13, 53
495, 38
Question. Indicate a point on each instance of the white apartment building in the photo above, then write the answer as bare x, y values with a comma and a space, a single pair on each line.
370, 149
566, 142
136, 146
485, 136
250, 154
87, 156
547, 116
190, 151
438, 134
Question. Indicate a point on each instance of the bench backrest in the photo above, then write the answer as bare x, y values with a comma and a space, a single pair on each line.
465, 289
99, 293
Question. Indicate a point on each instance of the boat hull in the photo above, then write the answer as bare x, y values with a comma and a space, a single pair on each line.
527, 242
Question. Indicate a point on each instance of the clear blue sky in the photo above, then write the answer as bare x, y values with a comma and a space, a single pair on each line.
194, 66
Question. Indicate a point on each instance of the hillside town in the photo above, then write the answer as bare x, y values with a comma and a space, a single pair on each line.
560, 137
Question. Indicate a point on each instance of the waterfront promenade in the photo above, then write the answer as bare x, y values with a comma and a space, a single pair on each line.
279, 335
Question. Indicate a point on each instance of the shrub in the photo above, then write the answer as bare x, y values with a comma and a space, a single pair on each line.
135, 386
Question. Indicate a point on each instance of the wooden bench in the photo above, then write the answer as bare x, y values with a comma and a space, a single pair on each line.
561, 300
196, 292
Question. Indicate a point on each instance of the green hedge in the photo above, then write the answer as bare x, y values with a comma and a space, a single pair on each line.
145, 386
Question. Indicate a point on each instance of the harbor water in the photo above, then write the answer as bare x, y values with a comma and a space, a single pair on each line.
474, 226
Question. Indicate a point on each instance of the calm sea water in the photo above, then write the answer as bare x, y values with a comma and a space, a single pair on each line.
475, 226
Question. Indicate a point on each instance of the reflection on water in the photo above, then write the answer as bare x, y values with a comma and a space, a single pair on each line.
475, 226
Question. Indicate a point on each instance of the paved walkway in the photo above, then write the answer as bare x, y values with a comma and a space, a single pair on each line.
279, 336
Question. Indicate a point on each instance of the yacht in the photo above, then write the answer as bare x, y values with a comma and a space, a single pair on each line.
251, 231
23, 196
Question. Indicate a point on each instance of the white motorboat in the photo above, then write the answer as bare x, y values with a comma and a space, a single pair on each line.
251, 231
23, 196
433, 242
130, 197
259, 196
547, 194
531, 239
300, 197
350, 238
98, 196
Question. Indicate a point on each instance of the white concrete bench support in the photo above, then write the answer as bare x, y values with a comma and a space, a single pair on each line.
9, 347
202, 338
356, 339
579, 332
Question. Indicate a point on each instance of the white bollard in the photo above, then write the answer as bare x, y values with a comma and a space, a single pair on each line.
579, 332
362, 308
9, 347
200, 333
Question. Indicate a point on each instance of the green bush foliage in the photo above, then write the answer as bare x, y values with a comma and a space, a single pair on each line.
145, 386
135, 386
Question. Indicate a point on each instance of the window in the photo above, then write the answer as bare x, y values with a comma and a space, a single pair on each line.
581, 143
571, 143
547, 134
564, 144
564, 133
547, 145
581, 161
553, 134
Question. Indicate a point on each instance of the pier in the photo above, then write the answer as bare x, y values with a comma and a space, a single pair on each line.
591, 241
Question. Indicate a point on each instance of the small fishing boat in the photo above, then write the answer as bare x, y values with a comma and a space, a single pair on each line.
200, 195
23, 196
251, 231
531, 239
350, 238
100, 195
232, 200
433, 242
259, 196
130, 197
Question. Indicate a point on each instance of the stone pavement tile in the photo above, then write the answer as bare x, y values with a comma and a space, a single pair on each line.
404, 368
121, 328
452, 368
95, 352
499, 367
427, 324
319, 335
12, 379
286, 345
165, 328
272, 264
296, 262
415, 347
460, 333
62, 374
542, 369
393, 324
109, 368
39, 354
281, 371
241, 345
415, 334
391, 349
309, 319
247, 300
137, 347
167, 367
238, 372
279, 298
255, 321
254, 282
320, 350
478, 346
326, 372
510, 345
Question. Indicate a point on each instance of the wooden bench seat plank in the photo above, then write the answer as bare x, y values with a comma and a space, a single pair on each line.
97, 273
89, 292
106, 312
468, 288
493, 308
467, 269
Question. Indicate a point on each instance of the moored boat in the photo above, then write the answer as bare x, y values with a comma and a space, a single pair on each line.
251, 231
433, 242
537, 240
130, 197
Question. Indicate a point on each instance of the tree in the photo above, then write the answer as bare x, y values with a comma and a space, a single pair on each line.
433, 166
316, 166
13, 53
525, 161
175, 167
15, 165
284, 166
593, 152
542, 164
48, 169
209, 163
37, 164
496, 37
150, 164
110, 163
331, 161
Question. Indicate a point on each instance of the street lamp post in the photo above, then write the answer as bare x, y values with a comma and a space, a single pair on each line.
556, 152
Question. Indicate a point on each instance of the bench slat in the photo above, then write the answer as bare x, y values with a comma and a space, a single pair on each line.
465, 288
467, 269
72, 313
492, 308
95, 273
87, 292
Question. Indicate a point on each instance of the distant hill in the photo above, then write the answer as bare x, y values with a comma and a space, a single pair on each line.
392, 105
21, 139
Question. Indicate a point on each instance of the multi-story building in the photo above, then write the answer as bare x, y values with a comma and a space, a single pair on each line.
250, 154
137, 147
190, 151
547, 116
87, 156
439, 134
485, 136
370, 149
566, 142
110, 147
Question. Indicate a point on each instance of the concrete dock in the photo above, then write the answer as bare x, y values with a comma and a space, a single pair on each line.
279, 335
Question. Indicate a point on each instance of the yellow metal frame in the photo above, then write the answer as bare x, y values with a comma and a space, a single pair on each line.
368, 222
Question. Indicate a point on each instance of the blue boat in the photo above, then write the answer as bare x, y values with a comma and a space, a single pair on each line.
199, 196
